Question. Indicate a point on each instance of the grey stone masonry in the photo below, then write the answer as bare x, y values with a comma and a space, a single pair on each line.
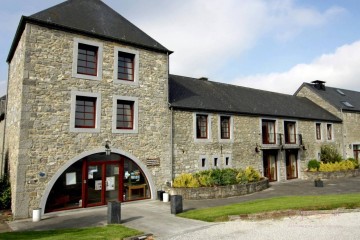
40, 88
188, 151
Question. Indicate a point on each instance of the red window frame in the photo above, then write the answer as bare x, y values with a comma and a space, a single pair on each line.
225, 127
266, 135
356, 149
125, 68
87, 59
318, 131
85, 111
201, 126
290, 132
124, 114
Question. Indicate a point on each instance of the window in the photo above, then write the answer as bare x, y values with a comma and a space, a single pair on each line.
215, 162
290, 132
347, 104
201, 126
203, 164
318, 131
87, 59
268, 132
126, 66
329, 131
225, 127
125, 114
85, 112
227, 160
356, 148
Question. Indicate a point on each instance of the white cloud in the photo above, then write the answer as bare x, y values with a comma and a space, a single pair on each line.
339, 69
206, 35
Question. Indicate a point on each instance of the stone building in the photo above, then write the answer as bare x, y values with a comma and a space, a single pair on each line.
343, 103
221, 125
93, 115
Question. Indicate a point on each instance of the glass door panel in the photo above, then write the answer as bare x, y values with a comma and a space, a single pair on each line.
272, 165
291, 165
112, 182
94, 184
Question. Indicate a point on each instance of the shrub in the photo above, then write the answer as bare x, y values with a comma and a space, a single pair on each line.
313, 165
228, 176
356, 162
5, 193
186, 180
204, 178
337, 166
252, 174
330, 154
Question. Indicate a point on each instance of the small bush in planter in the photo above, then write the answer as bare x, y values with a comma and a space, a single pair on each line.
313, 165
356, 162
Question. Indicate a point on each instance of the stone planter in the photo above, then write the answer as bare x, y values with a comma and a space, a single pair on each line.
220, 191
319, 183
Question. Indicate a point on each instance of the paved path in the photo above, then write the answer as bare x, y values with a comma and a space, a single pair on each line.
154, 217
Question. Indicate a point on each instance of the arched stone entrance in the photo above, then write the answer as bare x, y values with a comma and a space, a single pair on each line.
120, 176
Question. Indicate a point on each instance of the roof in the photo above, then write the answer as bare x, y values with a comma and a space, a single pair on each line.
201, 95
89, 17
338, 97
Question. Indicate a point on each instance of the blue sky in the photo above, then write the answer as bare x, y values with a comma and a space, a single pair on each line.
273, 45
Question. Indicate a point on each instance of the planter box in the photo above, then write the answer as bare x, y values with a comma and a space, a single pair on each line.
319, 183
220, 191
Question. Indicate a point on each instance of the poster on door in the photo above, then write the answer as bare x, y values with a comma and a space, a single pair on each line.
110, 183
98, 185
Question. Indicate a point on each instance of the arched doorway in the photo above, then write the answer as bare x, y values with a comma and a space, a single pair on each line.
96, 179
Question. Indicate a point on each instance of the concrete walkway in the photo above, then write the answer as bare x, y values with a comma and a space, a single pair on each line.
154, 217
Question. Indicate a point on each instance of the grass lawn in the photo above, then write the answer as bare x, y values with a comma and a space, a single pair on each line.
107, 232
323, 202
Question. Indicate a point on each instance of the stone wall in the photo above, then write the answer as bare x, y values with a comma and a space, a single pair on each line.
40, 95
331, 175
246, 137
219, 191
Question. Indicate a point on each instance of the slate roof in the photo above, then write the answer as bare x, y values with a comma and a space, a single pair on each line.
335, 98
199, 95
89, 17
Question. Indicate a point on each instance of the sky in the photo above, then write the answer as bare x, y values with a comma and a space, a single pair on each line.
273, 45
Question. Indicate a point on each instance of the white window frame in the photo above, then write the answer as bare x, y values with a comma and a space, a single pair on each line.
202, 140
136, 66
77, 41
136, 115
218, 161
206, 162
230, 161
74, 94
231, 139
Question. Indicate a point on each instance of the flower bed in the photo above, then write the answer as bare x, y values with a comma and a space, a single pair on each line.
220, 191
331, 175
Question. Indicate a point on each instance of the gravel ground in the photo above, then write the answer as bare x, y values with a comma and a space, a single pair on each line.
339, 226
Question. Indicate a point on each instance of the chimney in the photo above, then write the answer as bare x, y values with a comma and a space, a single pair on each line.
203, 79
319, 85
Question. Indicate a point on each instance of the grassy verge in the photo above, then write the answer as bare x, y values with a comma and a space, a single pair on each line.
323, 202
107, 232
